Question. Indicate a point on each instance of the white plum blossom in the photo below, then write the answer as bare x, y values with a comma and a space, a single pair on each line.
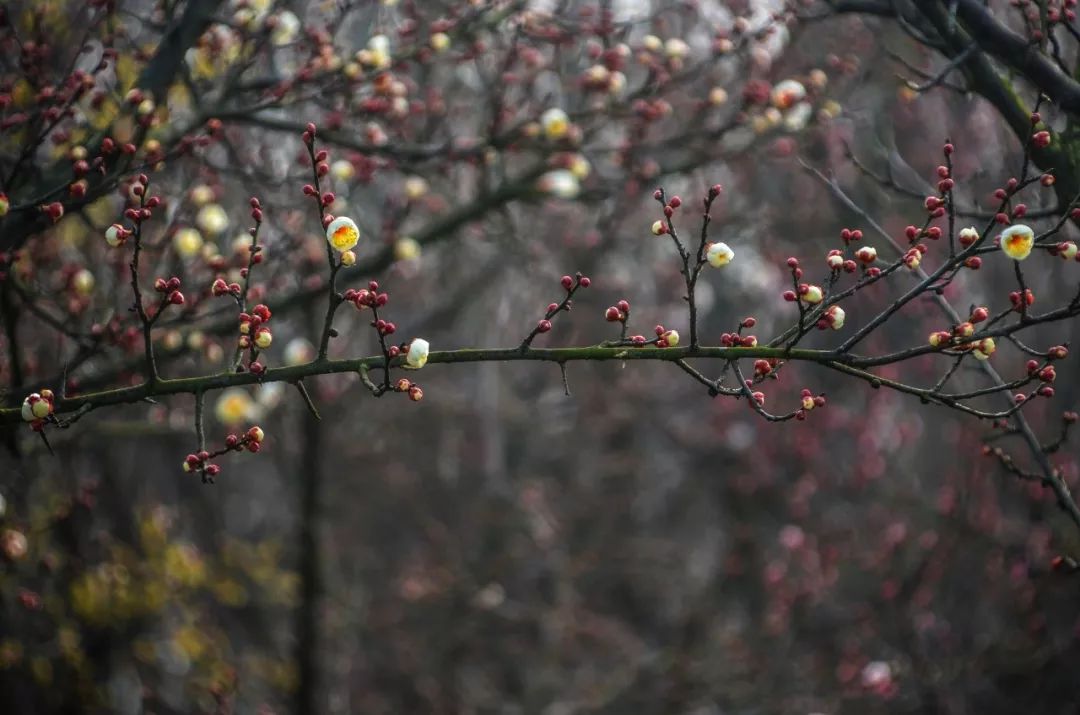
719, 254
342, 234
418, 353
1017, 241
560, 183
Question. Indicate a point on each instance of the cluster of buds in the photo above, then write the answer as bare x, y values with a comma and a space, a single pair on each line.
406, 385
833, 317
935, 206
618, 313
809, 402
764, 367
945, 181
666, 338
255, 335
1021, 301
1047, 374
848, 236
147, 204
369, 297
914, 234
606, 76
958, 337
256, 210
200, 461
169, 290
835, 261
37, 408
570, 285
807, 293
220, 288
737, 340
672, 204
913, 256
1066, 251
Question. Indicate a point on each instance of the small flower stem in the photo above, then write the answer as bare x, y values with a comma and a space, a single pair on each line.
150, 367
564, 305
241, 300
334, 299
307, 399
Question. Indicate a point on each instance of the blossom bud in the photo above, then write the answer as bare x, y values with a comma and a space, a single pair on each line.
811, 294
418, 353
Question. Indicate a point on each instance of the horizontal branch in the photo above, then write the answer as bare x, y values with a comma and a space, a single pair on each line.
190, 385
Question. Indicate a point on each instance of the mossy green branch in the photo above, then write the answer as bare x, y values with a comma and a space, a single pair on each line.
293, 374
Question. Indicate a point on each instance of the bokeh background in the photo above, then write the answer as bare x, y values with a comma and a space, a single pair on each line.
503, 547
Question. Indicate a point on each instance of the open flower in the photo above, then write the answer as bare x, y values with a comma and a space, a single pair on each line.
560, 183
415, 187
342, 233
233, 407
83, 282
580, 167
299, 351
342, 170
212, 219
796, 118
418, 353
556, 123
37, 406
1016, 241
440, 41
378, 52
286, 28
787, 94
188, 242
719, 254
676, 48
406, 249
